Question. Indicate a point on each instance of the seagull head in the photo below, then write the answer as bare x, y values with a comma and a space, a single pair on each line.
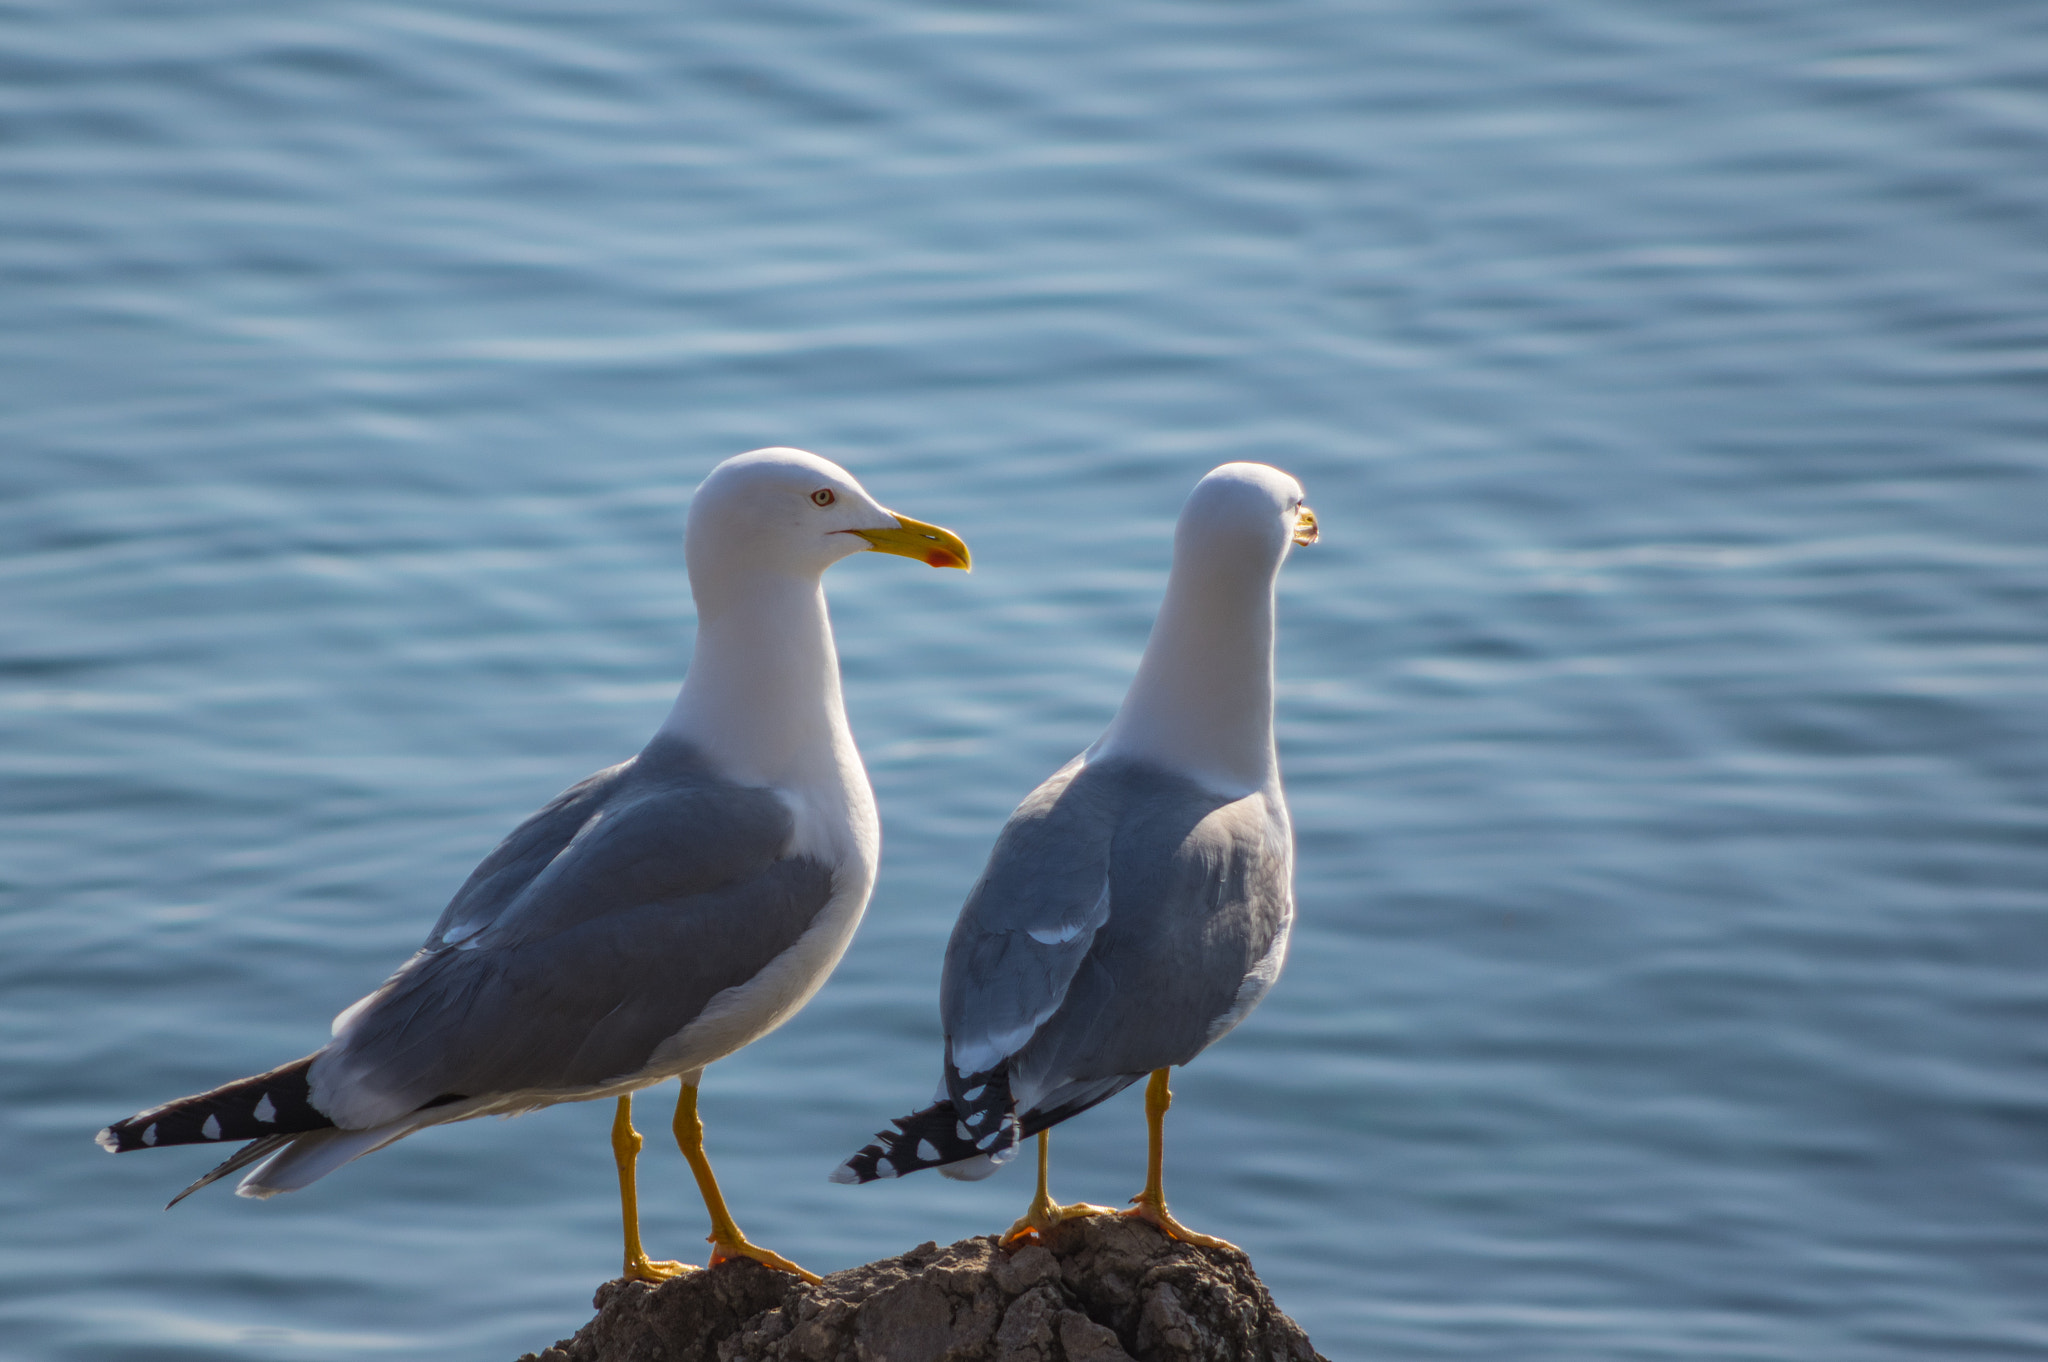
1245, 514
790, 512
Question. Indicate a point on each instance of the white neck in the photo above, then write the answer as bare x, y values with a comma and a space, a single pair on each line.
761, 698
1202, 701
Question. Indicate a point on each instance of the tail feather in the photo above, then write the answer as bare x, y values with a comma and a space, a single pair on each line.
285, 1163
240, 1159
269, 1104
314, 1155
976, 1122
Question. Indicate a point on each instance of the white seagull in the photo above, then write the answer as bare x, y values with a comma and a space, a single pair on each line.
1137, 904
654, 918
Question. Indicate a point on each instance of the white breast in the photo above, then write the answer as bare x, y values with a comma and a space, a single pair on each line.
744, 1013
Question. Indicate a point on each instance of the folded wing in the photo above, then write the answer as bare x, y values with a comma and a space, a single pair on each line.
598, 930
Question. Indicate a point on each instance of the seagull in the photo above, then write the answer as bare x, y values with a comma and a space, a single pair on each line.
1137, 905
652, 919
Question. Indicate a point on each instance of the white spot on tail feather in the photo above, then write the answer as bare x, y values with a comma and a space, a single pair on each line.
211, 1130
927, 1151
266, 1111
149, 1133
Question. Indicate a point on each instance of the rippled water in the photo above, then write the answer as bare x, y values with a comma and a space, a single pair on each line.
1663, 711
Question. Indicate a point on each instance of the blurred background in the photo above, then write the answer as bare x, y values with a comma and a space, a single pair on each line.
1662, 711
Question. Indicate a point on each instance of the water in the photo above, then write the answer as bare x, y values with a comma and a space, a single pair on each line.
1662, 711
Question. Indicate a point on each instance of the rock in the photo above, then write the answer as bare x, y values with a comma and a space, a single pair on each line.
1103, 1289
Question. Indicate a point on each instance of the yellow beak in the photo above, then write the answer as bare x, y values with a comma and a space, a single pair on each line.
1304, 525
915, 539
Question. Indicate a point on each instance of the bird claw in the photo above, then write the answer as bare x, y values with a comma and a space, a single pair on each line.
1156, 1215
653, 1270
721, 1253
1039, 1219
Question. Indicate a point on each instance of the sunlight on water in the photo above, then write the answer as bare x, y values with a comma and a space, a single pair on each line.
1661, 710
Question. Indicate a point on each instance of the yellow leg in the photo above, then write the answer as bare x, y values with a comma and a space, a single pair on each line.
725, 1237
626, 1149
1151, 1203
1043, 1212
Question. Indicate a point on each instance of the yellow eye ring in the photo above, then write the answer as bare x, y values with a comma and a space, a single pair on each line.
823, 497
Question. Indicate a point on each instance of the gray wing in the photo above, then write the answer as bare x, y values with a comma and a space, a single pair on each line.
525, 852
595, 932
1029, 920
1200, 900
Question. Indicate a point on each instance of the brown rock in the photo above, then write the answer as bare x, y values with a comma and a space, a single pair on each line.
1104, 1289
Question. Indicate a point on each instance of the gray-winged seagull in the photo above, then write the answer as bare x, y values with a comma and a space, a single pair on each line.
1137, 904
654, 918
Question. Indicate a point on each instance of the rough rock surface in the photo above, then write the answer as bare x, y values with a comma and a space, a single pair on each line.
1105, 1289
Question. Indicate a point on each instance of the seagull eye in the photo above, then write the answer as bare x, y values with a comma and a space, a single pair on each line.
823, 497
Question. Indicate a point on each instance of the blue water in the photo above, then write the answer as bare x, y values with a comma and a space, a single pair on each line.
1663, 711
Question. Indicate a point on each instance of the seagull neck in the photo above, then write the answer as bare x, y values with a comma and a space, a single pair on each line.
1202, 701
761, 698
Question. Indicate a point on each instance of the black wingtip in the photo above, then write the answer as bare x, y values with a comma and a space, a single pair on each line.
275, 1103
240, 1159
931, 1138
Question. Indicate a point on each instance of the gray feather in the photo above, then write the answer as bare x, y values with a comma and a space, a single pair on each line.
1198, 892
1029, 921
601, 927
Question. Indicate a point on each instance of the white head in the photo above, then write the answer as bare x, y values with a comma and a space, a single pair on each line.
1240, 518
762, 695
791, 513
1202, 701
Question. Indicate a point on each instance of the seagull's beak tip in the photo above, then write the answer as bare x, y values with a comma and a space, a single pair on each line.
932, 545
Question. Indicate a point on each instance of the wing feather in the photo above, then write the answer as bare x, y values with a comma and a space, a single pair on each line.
1201, 893
665, 886
1029, 921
